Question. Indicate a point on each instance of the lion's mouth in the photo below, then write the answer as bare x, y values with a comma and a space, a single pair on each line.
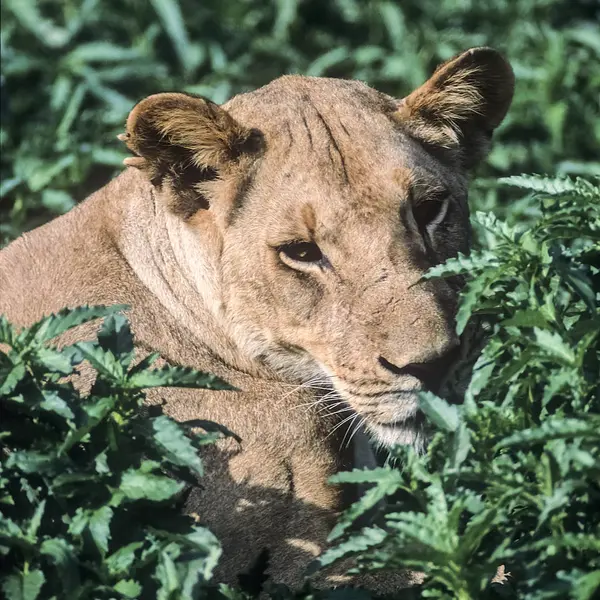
391, 417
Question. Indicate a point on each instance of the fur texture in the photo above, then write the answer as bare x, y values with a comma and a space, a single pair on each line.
198, 237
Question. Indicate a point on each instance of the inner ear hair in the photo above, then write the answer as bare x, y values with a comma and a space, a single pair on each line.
181, 140
461, 104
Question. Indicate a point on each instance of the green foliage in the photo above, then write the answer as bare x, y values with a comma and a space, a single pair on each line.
512, 476
89, 486
72, 70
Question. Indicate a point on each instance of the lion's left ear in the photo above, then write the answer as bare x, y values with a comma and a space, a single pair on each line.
182, 140
462, 103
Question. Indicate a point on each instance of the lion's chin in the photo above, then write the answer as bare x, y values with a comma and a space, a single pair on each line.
408, 432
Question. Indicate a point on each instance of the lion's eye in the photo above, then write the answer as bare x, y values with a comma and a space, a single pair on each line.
305, 252
430, 212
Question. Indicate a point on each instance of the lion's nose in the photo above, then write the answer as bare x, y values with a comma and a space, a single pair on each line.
431, 372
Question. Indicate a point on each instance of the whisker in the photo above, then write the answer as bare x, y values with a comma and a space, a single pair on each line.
359, 426
339, 425
356, 416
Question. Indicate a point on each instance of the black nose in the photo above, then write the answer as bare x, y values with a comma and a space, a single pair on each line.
431, 373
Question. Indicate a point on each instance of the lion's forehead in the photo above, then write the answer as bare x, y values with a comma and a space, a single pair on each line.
334, 144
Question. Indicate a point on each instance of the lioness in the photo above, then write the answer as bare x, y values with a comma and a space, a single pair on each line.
279, 241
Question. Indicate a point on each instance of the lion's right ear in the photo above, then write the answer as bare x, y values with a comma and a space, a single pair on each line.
182, 140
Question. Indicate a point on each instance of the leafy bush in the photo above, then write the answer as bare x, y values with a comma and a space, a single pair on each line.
512, 476
73, 69
88, 507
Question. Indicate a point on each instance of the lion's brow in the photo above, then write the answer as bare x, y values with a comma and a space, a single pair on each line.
336, 156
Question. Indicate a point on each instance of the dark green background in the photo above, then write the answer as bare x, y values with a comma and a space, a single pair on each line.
72, 69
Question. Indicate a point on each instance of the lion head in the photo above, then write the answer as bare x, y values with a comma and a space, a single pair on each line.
317, 205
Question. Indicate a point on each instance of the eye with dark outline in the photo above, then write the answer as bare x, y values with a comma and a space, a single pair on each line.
430, 211
300, 252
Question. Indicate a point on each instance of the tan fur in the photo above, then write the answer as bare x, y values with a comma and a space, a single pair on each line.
191, 237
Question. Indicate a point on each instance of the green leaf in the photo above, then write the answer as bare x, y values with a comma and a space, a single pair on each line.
115, 337
103, 361
10, 376
169, 376
99, 526
57, 323
554, 429
129, 588
35, 522
168, 577
366, 539
52, 402
54, 361
461, 264
23, 586
7, 332
95, 412
121, 560
587, 586
469, 298
550, 186
526, 318
63, 556
387, 482
461, 444
57, 201
172, 443
137, 485
33, 461
169, 13
438, 411
554, 345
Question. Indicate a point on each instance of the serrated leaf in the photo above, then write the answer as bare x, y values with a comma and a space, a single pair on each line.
385, 486
33, 461
461, 264
52, 402
469, 298
57, 323
121, 560
35, 522
555, 429
104, 362
115, 337
95, 411
136, 485
554, 345
172, 443
23, 586
366, 539
54, 361
168, 578
551, 186
438, 411
169, 376
461, 444
99, 526
477, 527
62, 555
10, 376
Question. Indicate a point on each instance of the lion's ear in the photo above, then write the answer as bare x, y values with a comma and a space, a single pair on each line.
182, 140
462, 103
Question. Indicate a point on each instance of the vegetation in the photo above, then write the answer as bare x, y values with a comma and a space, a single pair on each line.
81, 478
511, 476
73, 69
